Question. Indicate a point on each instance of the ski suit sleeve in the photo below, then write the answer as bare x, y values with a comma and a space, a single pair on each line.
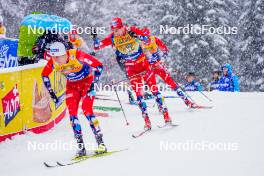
45, 74
103, 43
91, 61
161, 45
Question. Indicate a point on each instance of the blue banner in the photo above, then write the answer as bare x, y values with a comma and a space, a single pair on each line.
8, 53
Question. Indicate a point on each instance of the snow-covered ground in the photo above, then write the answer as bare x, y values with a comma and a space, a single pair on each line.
226, 140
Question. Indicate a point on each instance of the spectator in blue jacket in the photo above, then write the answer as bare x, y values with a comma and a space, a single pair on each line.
192, 84
228, 81
214, 85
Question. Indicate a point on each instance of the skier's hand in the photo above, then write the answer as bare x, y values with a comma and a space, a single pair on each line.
93, 34
132, 34
143, 38
92, 53
53, 96
165, 55
98, 73
96, 43
91, 92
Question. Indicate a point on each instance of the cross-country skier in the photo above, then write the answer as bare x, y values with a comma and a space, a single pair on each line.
77, 66
228, 81
192, 84
214, 85
154, 49
124, 40
77, 41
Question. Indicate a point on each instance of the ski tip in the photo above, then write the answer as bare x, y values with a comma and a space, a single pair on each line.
202, 107
170, 125
133, 136
48, 165
45, 164
60, 164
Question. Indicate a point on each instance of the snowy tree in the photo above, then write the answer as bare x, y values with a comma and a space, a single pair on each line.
252, 45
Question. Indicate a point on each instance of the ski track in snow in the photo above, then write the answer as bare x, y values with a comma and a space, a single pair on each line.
235, 118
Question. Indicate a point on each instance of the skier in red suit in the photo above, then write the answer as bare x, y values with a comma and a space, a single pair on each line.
77, 66
127, 47
154, 49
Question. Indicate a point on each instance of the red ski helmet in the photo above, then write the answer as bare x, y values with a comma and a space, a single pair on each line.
116, 23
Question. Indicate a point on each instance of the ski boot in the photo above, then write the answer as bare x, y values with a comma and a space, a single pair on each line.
81, 152
147, 122
166, 116
182, 95
190, 104
101, 146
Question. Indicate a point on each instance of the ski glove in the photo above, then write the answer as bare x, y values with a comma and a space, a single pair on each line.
98, 73
96, 43
143, 38
91, 92
53, 96
165, 55
47, 84
132, 34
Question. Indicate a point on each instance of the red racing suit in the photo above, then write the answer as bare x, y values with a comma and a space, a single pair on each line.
152, 51
136, 65
137, 68
78, 72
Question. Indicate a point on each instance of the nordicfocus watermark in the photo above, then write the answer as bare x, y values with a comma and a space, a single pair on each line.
198, 30
137, 87
200, 146
65, 30
58, 145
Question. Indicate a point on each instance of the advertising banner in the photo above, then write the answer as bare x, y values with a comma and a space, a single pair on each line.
8, 53
26, 104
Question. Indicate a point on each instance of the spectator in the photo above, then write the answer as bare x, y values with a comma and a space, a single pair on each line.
2, 28
192, 84
228, 81
214, 85
43, 43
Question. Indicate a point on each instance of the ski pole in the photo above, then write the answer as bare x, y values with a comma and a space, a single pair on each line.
198, 91
206, 96
124, 115
187, 95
